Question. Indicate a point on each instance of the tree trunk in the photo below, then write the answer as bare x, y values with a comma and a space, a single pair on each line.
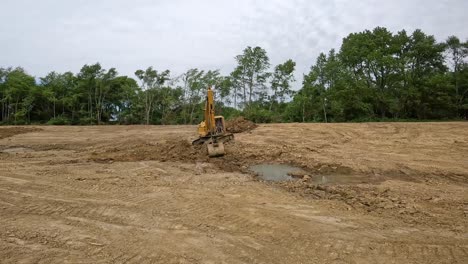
163, 115
324, 111
245, 96
90, 103
148, 113
273, 99
16, 108
2, 110
303, 111
235, 97
147, 107
250, 90
8, 111
191, 113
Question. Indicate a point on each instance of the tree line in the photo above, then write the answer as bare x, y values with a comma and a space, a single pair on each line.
375, 75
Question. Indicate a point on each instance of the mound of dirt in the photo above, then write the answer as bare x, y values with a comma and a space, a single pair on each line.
12, 131
239, 125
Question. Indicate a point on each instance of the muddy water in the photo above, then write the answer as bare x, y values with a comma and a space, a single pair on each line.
281, 172
273, 172
343, 179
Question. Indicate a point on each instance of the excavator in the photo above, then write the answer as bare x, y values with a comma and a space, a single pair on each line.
212, 130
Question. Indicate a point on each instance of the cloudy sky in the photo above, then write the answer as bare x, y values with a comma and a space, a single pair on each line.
47, 35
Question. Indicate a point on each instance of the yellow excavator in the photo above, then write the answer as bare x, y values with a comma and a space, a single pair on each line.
212, 130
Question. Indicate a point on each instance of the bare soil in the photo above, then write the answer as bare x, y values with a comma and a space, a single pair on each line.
11, 131
143, 194
239, 125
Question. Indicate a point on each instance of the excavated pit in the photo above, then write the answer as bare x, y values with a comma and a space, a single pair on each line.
273, 172
283, 172
270, 165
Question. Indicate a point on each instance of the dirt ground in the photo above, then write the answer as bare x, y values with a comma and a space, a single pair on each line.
143, 194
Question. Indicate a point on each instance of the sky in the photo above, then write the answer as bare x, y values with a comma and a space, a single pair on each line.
57, 35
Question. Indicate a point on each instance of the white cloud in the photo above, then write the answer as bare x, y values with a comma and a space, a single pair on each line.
64, 35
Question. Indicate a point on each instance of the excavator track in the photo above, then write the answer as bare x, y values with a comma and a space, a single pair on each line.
218, 138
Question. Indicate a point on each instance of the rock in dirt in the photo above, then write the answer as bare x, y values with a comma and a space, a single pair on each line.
239, 125
306, 178
297, 173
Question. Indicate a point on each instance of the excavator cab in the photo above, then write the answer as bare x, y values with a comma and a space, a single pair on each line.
212, 130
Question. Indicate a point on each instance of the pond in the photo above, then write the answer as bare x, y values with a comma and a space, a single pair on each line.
283, 172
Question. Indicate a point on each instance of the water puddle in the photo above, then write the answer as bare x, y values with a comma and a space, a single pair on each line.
274, 172
342, 179
282, 172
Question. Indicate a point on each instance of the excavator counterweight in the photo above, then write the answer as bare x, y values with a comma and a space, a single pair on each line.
212, 130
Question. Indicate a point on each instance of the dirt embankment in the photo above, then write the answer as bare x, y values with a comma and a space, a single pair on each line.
6, 132
140, 150
178, 149
174, 148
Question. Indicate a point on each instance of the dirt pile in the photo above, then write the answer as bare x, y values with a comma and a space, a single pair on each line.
6, 132
239, 125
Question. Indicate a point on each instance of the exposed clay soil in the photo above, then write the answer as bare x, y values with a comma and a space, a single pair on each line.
144, 194
11, 131
239, 125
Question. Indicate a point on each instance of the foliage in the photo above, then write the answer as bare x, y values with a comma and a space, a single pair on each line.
375, 75
57, 121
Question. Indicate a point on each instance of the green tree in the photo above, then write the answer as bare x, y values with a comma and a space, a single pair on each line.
122, 100
87, 82
3, 94
56, 88
457, 53
282, 77
151, 83
105, 85
371, 56
18, 85
315, 87
193, 89
250, 75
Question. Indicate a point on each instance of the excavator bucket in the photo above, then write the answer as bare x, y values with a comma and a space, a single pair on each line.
215, 149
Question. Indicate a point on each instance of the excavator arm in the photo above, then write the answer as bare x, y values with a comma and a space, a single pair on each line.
207, 126
212, 130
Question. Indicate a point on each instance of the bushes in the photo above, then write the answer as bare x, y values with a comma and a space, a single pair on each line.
87, 121
59, 121
259, 115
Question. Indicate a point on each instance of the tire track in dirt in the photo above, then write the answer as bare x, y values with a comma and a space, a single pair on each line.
141, 211
61, 209
36, 244
394, 252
